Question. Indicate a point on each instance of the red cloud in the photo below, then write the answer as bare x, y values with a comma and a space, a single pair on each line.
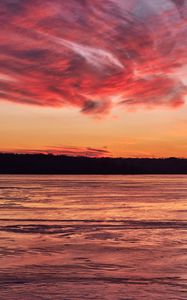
69, 151
93, 54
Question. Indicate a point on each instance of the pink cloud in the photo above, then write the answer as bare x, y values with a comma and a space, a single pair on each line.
67, 150
89, 53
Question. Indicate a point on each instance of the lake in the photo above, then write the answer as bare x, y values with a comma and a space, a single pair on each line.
93, 237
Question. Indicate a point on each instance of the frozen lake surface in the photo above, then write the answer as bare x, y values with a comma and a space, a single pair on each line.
93, 237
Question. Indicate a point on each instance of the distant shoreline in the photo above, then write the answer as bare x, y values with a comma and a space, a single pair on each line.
42, 164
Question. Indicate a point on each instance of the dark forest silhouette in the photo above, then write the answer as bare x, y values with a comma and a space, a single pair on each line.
61, 164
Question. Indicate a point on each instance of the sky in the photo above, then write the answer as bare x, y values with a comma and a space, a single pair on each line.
94, 77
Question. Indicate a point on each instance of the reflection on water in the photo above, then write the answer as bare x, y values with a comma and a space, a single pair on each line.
93, 237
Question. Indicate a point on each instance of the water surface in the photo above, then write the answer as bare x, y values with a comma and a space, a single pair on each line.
93, 237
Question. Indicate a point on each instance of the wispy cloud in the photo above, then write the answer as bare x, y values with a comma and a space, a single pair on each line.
66, 150
87, 53
94, 56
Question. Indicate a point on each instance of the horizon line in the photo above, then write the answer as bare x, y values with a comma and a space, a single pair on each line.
45, 153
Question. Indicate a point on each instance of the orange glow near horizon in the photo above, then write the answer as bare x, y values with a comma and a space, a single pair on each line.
130, 134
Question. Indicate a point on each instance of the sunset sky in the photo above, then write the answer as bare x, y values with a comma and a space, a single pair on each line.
94, 77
